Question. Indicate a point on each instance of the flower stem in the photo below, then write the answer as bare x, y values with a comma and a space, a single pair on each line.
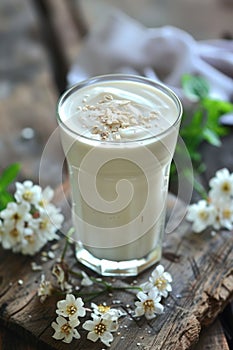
127, 288
69, 234
93, 279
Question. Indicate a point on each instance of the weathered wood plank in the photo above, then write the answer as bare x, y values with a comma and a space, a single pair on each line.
203, 284
12, 341
212, 338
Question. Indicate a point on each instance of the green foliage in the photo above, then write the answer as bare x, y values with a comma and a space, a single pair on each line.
6, 179
195, 87
202, 124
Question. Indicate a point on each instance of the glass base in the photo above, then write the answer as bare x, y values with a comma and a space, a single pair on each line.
117, 268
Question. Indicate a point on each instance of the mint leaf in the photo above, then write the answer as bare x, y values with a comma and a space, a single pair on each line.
5, 198
9, 175
195, 87
211, 137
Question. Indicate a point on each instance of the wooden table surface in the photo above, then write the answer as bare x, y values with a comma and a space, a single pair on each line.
35, 55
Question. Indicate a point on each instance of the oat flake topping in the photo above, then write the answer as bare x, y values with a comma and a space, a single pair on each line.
113, 118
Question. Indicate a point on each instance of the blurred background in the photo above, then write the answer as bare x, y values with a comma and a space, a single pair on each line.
204, 19
67, 26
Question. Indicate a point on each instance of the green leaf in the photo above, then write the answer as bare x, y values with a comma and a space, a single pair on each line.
195, 87
219, 106
9, 175
211, 137
5, 198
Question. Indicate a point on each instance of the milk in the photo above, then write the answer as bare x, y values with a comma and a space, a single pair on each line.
119, 137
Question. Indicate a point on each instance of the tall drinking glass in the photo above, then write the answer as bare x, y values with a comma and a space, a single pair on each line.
119, 134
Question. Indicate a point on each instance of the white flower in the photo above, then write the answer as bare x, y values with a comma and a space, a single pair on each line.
16, 214
71, 307
67, 287
59, 273
12, 238
27, 192
61, 276
48, 222
218, 211
30, 222
221, 186
86, 281
46, 197
100, 328
65, 329
102, 309
224, 216
149, 304
202, 215
160, 280
15, 217
31, 242
45, 289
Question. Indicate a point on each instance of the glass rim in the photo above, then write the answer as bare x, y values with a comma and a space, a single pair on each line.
119, 77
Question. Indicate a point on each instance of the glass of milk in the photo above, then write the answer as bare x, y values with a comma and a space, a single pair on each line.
119, 134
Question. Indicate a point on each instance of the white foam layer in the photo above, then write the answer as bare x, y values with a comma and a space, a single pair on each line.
125, 111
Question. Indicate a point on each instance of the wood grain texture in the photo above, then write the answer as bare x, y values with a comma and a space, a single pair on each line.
212, 338
203, 285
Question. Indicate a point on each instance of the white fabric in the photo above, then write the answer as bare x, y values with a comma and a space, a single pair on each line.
121, 44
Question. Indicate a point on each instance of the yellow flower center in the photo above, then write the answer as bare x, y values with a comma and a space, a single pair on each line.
14, 233
226, 187
148, 305
203, 215
226, 214
27, 196
16, 217
71, 309
160, 283
43, 224
42, 203
103, 308
66, 328
100, 328
1, 231
30, 238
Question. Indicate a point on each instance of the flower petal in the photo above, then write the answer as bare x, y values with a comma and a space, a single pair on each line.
106, 338
58, 335
89, 325
167, 276
92, 336
76, 334
61, 320
160, 269
141, 296
159, 308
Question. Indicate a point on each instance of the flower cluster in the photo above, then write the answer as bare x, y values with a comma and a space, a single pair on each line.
217, 210
105, 319
27, 224
158, 286
69, 311
104, 322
